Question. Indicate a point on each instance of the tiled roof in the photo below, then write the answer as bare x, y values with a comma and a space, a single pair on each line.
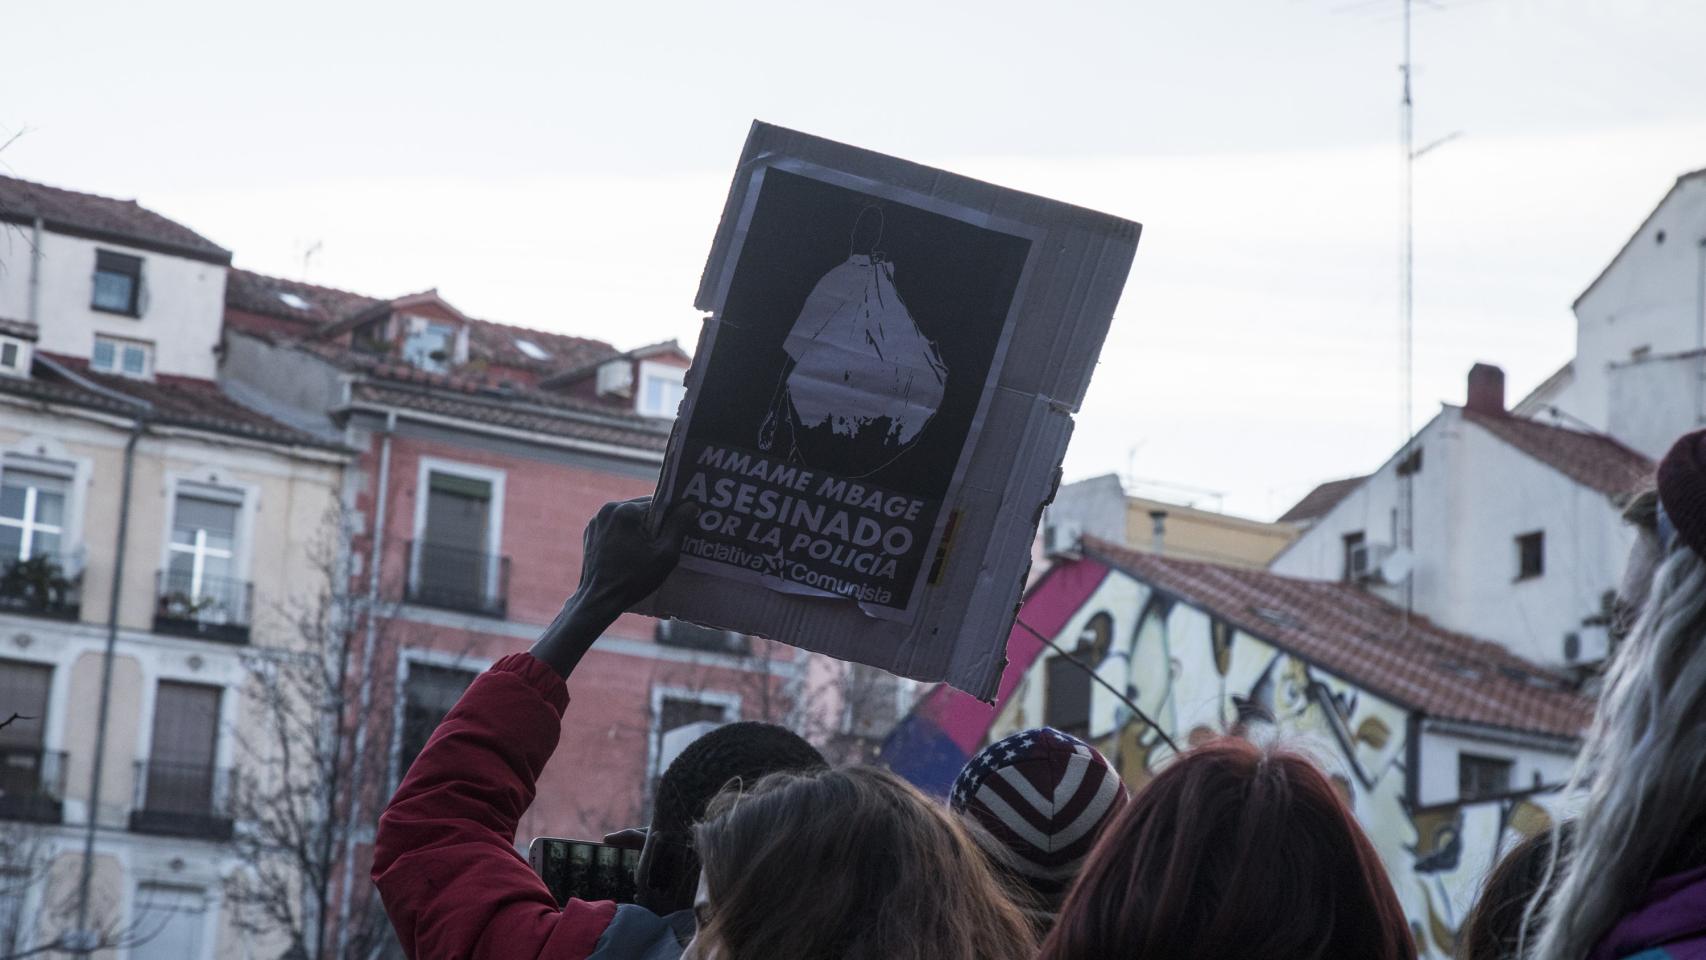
22, 329
102, 218
308, 308
1318, 501
304, 304
526, 410
176, 401
1593, 460
1363, 640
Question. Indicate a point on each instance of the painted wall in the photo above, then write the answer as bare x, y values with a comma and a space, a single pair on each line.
182, 301
1652, 400
1649, 299
1473, 496
1182, 669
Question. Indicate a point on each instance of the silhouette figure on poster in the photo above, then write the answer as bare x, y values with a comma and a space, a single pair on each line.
862, 381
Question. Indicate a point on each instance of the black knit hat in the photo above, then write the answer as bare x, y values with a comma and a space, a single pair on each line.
1682, 489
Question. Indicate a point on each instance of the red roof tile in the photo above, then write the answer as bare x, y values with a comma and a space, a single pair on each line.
1593, 460
176, 401
528, 410
103, 218
1318, 501
1363, 640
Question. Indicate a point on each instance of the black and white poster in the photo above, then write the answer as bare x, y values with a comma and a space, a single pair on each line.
847, 374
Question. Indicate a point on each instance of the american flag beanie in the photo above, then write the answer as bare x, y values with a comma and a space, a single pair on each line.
1044, 796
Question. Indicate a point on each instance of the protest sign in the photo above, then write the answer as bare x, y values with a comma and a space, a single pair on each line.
879, 403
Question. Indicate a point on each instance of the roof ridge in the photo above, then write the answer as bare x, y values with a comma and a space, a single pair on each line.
536, 330
315, 286
1569, 431
76, 193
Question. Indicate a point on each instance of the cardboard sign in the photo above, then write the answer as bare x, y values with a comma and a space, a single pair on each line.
879, 404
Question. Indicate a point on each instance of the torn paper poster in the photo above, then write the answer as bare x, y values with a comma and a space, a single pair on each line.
880, 402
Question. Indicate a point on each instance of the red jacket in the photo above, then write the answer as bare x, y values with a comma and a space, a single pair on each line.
444, 858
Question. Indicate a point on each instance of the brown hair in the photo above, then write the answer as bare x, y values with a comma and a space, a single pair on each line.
850, 864
1495, 929
1233, 851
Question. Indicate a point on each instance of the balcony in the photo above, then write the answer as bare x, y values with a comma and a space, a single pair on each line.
32, 784
42, 586
455, 578
216, 608
182, 800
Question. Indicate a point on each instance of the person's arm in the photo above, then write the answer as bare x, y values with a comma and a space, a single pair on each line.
444, 857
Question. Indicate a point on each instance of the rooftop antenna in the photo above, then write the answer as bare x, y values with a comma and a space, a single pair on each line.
308, 254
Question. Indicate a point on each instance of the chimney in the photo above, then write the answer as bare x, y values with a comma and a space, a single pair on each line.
1159, 519
1486, 389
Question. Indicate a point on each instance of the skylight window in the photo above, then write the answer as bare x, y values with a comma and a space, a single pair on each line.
293, 301
531, 349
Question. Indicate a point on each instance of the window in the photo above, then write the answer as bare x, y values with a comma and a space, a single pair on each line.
454, 561
661, 390
1481, 777
680, 633
181, 791
24, 765
1066, 697
32, 513
14, 357
175, 916
1530, 555
676, 712
430, 345
870, 701
118, 283
1412, 464
429, 692
1352, 542
200, 581
129, 358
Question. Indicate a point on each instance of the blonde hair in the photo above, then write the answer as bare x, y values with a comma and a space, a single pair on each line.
850, 864
1641, 768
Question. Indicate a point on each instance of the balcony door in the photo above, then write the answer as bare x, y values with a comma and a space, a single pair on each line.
201, 563
23, 762
181, 774
455, 564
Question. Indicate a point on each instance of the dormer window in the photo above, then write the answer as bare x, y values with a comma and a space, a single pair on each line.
127, 358
661, 390
14, 357
118, 283
431, 344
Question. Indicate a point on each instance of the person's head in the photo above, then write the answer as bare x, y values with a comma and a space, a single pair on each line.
1233, 851
850, 864
1502, 918
1041, 799
1645, 813
744, 752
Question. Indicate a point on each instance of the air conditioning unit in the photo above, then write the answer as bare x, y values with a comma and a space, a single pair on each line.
1379, 563
1062, 538
616, 378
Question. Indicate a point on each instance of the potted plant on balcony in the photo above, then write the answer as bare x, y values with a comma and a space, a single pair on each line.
36, 584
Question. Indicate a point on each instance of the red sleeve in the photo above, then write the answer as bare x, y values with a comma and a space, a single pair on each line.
444, 857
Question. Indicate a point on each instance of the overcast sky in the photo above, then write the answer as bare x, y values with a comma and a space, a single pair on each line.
563, 165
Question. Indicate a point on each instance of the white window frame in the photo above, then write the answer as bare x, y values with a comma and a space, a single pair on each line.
495, 518
239, 497
660, 371
210, 909
728, 700
28, 524
408, 658
120, 344
20, 365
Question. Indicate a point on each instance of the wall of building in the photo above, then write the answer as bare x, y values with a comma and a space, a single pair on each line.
1183, 672
1653, 400
182, 302
1474, 494
1648, 300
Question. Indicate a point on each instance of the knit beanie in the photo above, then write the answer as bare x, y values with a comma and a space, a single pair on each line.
1044, 796
1682, 489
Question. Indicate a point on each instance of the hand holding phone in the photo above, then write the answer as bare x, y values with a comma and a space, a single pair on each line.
583, 869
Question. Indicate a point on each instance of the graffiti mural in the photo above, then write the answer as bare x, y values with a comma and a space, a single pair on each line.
1199, 677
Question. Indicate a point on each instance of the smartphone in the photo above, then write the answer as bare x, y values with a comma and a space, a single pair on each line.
583, 869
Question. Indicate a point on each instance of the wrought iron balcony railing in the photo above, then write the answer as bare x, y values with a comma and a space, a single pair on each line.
213, 608
45, 585
456, 578
182, 800
32, 784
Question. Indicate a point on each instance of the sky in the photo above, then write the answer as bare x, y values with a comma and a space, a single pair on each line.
563, 165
